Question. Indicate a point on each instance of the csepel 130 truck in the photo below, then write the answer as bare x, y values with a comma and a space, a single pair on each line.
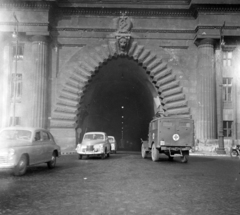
171, 136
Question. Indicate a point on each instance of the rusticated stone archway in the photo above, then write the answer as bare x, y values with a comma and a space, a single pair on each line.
82, 65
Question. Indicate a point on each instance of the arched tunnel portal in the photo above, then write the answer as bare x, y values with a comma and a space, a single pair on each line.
99, 89
119, 100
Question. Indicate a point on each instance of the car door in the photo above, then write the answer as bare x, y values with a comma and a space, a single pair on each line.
47, 145
37, 150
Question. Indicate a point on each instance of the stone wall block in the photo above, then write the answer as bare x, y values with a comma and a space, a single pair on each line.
173, 105
113, 49
172, 91
165, 80
148, 60
154, 64
132, 48
173, 98
162, 74
103, 51
144, 55
138, 51
158, 69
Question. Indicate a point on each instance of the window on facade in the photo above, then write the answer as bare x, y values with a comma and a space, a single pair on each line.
227, 128
17, 121
18, 52
227, 58
18, 85
227, 89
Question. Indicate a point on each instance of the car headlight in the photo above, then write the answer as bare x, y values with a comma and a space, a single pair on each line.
11, 152
80, 146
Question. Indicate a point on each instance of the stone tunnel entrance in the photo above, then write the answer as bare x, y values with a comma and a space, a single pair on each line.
119, 101
99, 89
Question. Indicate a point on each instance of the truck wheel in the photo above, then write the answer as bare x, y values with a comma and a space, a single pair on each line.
143, 151
80, 157
155, 153
184, 159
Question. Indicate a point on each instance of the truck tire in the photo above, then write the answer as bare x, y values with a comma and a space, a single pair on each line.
155, 153
184, 159
143, 152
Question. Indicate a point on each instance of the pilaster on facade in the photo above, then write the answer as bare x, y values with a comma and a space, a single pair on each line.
40, 56
206, 123
5, 82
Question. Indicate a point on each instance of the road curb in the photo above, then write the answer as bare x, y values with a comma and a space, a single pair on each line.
191, 154
214, 155
68, 153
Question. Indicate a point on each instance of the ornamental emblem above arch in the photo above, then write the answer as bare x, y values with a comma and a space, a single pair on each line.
123, 34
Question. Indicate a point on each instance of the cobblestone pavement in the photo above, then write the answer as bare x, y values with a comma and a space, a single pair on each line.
125, 184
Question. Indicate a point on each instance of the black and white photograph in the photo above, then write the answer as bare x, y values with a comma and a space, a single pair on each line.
119, 107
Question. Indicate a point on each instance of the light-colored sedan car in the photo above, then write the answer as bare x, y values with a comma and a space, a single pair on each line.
94, 143
113, 143
21, 147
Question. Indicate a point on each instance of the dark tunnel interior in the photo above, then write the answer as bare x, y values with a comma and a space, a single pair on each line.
119, 101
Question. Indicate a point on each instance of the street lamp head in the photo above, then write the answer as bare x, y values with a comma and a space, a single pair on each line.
14, 34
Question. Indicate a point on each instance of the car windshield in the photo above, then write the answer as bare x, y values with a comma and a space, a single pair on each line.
93, 137
15, 135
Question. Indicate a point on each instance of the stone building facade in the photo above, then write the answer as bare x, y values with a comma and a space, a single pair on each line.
112, 65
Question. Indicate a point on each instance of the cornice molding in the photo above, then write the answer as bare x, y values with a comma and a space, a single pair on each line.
74, 3
110, 30
109, 8
129, 12
24, 24
25, 5
226, 8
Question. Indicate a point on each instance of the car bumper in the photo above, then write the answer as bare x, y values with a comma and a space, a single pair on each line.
7, 162
85, 152
7, 165
90, 153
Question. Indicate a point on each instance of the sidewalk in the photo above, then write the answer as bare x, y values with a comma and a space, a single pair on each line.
196, 153
207, 153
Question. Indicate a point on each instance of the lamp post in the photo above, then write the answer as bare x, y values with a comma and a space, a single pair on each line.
221, 149
15, 35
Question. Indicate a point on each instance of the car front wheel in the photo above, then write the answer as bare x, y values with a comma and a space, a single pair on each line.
104, 155
21, 167
52, 163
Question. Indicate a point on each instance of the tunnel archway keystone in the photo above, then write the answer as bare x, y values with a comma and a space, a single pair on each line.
82, 65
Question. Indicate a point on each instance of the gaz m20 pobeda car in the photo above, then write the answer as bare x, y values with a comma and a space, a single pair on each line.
21, 147
113, 143
94, 143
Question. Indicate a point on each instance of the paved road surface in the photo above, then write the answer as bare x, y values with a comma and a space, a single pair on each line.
125, 184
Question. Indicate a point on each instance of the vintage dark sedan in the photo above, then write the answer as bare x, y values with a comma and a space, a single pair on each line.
21, 147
